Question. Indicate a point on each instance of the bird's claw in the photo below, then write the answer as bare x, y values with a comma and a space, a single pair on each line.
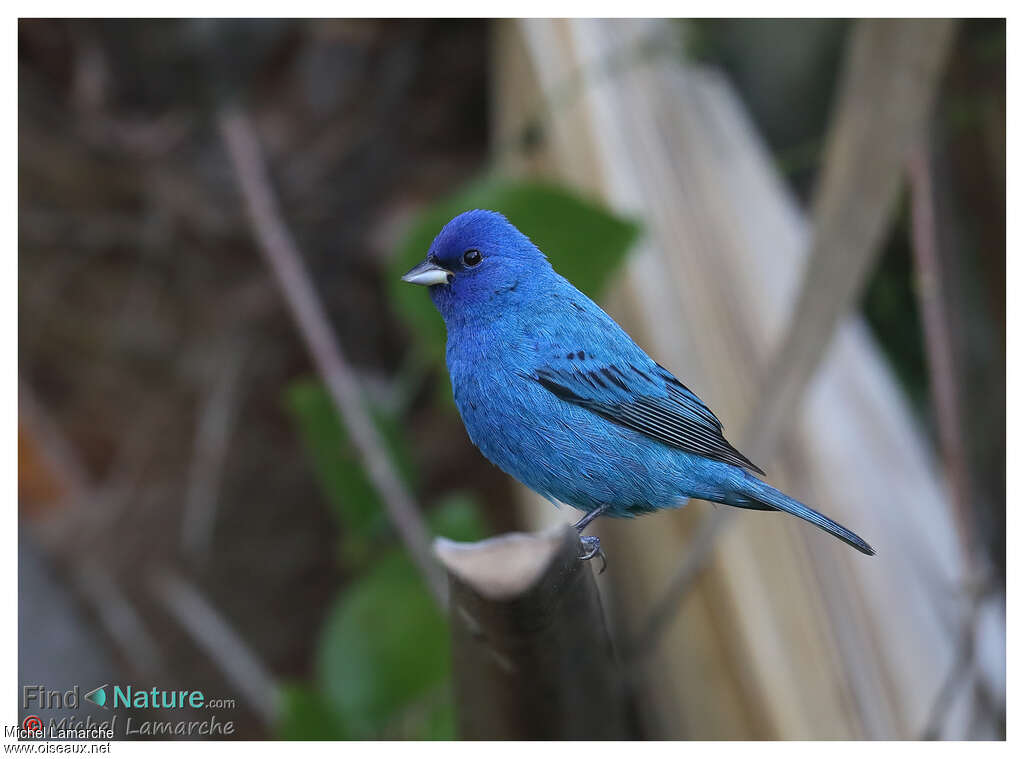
590, 545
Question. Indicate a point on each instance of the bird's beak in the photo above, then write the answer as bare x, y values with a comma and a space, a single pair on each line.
427, 274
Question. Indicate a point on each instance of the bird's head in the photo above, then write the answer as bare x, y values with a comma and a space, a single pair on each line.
478, 263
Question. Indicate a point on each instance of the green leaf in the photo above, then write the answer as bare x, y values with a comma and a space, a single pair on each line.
432, 717
385, 646
335, 462
307, 716
440, 721
457, 516
584, 242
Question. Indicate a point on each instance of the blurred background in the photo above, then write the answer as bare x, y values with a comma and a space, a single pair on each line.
803, 219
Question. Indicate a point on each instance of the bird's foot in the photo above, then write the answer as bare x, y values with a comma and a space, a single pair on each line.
590, 546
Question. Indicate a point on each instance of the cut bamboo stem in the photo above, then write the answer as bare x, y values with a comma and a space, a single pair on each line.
532, 655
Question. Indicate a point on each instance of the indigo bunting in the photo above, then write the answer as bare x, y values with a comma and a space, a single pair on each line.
556, 394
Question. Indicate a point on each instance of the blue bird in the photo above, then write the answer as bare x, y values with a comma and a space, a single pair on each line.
556, 394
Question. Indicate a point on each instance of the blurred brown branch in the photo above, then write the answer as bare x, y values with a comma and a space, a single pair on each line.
76, 508
946, 399
938, 342
962, 674
213, 430
120, 617
219, 641
285, 262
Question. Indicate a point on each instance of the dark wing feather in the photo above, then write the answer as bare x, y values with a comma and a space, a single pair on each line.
651, 402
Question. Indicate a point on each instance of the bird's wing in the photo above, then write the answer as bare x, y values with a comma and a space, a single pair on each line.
647, 399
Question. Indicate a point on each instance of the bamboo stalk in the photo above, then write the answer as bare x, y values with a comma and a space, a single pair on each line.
891, 79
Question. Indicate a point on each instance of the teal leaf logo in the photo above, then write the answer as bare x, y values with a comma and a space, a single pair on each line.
98, 696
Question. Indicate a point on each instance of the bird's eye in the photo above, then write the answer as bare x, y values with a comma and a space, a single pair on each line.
472, 257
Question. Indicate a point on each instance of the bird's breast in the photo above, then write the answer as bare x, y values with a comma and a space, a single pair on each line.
489, 376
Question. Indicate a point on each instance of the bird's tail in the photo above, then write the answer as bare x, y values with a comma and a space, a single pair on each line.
762, 496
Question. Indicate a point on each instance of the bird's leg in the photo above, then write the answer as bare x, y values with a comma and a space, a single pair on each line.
591, 544
589, 517
591, 547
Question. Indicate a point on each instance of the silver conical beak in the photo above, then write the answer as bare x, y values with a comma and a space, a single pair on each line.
427, 274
